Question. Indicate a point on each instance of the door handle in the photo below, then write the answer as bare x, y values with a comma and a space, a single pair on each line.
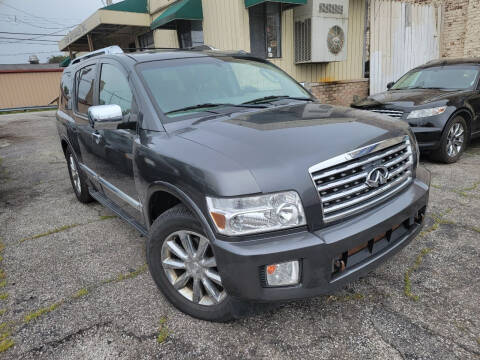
97, 137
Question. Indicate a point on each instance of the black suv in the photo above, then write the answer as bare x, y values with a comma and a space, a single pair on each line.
441, 102
247, 188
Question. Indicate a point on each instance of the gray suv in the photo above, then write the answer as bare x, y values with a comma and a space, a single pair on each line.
247, 189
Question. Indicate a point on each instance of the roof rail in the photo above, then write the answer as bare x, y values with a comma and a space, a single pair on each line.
114, 49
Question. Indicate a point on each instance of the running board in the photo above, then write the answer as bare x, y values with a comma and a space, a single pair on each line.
102, 199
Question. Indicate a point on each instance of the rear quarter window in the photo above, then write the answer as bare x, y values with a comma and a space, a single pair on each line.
66, 88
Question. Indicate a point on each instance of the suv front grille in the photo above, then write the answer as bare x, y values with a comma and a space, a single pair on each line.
342, 181
392, 113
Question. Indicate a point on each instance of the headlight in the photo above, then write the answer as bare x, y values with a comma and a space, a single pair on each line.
255, 214
427, 112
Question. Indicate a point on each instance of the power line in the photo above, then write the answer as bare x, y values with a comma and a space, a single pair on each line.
30, 14
29, 43
43, 40
19, 33
33, 52
44, 27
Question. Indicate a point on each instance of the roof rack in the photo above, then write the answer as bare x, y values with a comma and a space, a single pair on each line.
114, 49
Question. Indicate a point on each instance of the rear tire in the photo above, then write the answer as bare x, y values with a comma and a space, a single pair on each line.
453, 142
77, 178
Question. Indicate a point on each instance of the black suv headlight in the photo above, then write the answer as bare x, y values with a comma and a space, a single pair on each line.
256, 214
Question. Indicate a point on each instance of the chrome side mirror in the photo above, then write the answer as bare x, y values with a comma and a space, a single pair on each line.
105, 116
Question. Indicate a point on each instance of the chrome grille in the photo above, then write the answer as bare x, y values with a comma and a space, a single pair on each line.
393, 113
341, 181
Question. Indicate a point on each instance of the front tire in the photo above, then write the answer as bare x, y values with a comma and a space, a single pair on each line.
182, 264
453, 142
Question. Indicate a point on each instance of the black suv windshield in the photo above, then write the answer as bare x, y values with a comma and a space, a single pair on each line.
196, 84
460, 77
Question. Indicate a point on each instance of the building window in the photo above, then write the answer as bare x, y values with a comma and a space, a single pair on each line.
265, 30
190, 33
145, 41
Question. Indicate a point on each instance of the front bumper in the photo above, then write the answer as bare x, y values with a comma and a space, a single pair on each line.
241, 264
428, 138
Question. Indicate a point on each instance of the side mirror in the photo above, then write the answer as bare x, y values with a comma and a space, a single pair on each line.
105, 116
390, 84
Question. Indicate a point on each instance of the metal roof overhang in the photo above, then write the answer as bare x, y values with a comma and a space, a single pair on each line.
104, 23
182, 10
249, 3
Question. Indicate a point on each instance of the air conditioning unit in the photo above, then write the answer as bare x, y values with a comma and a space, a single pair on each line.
320, 29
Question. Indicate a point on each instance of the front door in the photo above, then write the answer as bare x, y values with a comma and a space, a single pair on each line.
112, 146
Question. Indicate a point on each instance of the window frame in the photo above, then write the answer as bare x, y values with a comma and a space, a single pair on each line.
135, 108
264, 18
122, 71
75, 88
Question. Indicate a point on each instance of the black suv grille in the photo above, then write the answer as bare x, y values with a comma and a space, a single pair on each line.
342, 181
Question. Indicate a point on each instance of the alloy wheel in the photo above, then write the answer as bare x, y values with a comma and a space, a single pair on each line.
75, 175
191, 268
455, 139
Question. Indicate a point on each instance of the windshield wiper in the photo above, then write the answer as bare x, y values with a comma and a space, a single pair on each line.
207, 105
279, 97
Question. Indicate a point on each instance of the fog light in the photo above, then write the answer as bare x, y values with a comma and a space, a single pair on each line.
283, 274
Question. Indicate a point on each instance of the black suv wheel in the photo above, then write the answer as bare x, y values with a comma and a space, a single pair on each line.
77, 178
453, 141
182, 263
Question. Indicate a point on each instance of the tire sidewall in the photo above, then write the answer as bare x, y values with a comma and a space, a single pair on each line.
444, 142
84, 195
166, 224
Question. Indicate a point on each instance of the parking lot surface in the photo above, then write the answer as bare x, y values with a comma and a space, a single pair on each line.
73, 280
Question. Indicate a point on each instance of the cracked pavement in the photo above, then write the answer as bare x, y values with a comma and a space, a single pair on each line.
91, 265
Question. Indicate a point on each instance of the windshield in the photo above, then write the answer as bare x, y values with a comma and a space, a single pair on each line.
439, 77
204, 82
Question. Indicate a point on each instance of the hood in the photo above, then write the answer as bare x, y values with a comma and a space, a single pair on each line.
407, 98
289, 139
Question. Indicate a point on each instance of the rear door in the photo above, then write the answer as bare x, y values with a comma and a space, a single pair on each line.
112, 144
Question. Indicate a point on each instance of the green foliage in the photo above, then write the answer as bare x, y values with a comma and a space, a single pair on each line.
56, 59
163, 332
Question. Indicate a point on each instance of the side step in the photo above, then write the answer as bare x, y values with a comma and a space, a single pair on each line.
102, 199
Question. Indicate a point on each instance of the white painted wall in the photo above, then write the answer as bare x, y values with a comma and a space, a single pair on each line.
403, 36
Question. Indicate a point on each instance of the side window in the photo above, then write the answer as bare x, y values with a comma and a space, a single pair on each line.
66, 88
115, 89
85, 79
265, 30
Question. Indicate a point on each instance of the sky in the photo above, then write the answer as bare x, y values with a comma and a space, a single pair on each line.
39, 17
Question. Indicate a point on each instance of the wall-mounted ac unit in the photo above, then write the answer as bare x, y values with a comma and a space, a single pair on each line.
321, 28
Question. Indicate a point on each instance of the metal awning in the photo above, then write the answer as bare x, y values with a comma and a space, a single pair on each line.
182, 10
136, 6
110, 25
249, 3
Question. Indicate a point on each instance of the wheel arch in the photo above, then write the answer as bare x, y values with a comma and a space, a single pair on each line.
162, 196
466, 114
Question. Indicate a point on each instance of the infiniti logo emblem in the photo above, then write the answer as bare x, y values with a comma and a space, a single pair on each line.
378, 176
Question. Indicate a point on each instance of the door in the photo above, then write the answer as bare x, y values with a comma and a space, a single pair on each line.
403, 36
112, 143
84, 98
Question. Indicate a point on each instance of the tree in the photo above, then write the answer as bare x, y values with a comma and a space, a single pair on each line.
57, 59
